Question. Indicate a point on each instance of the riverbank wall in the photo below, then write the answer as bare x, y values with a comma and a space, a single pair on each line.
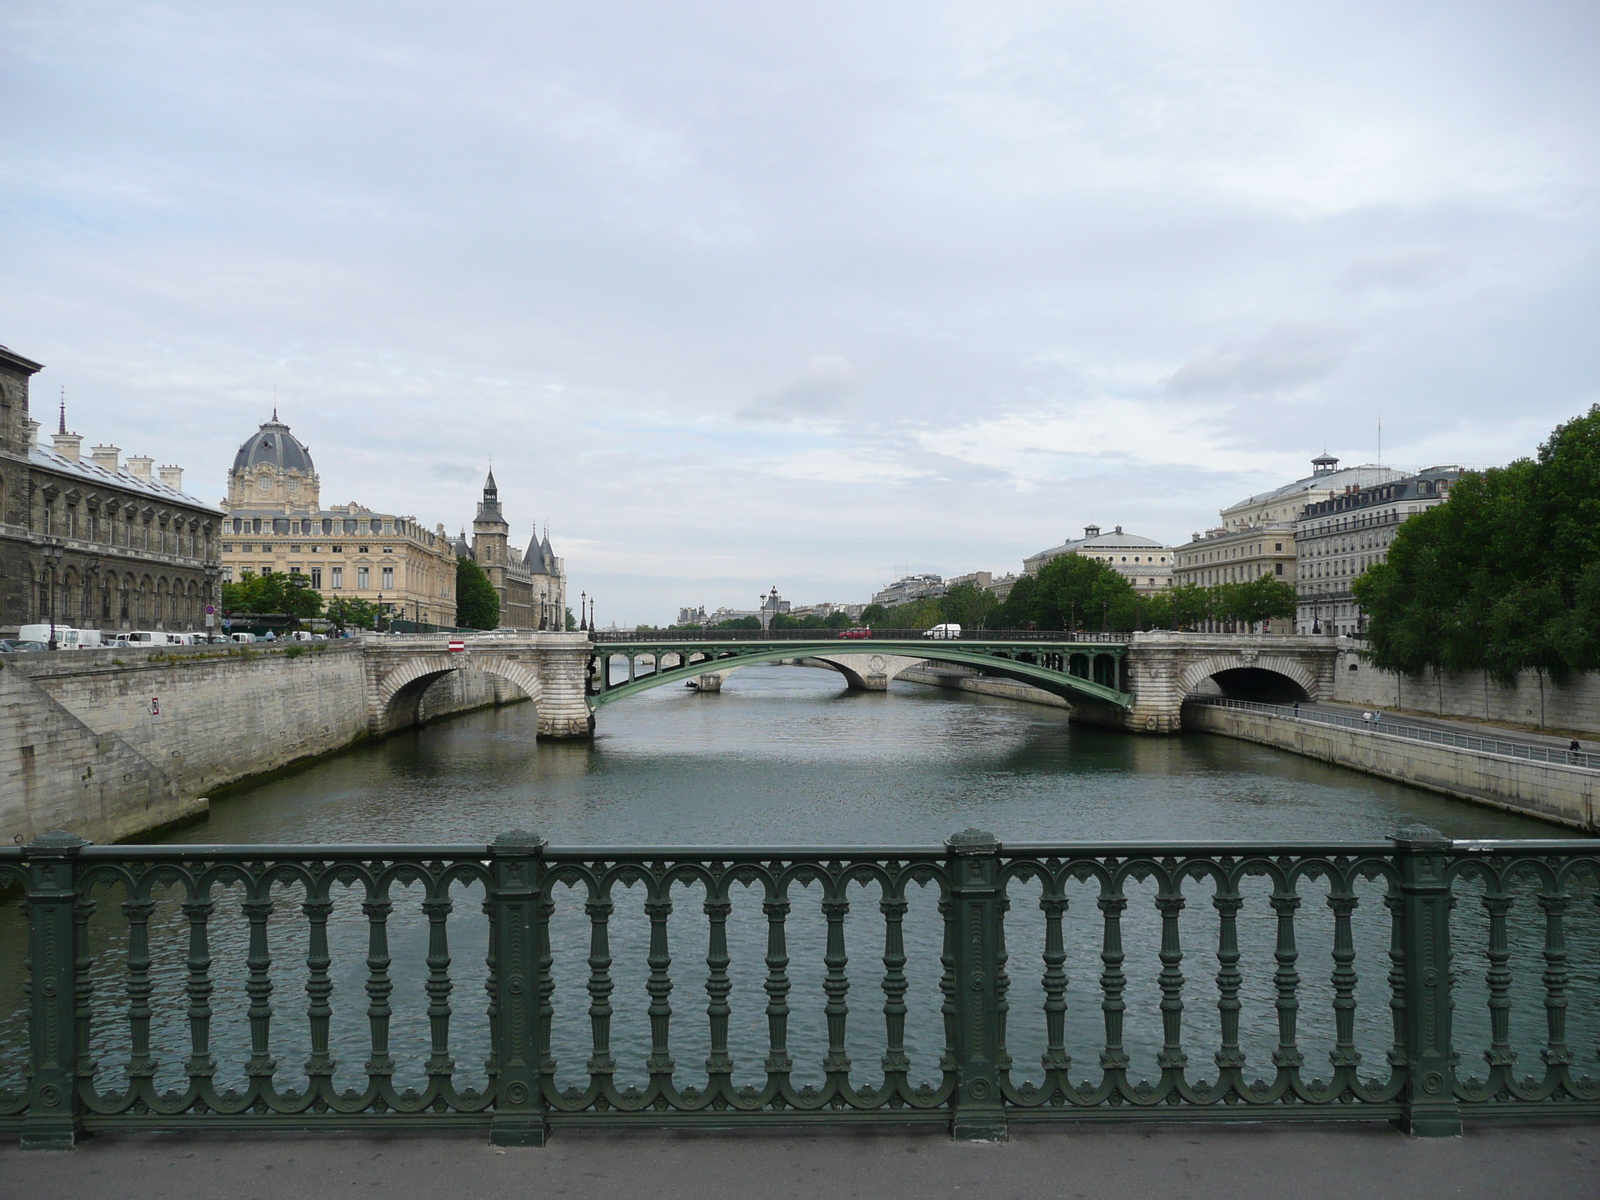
966, 680
1534, 701
1550, 791
113, 744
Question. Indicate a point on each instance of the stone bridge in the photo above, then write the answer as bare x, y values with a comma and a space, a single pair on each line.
1137, 682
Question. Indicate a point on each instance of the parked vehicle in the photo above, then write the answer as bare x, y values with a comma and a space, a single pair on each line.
243, 638
18, 646
300, 635
860, 631
153, 637
942, 631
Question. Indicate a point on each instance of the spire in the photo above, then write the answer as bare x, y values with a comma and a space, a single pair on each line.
63, 428
275, 414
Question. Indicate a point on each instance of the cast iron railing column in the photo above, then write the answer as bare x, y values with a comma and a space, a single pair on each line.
53, 1121
975, 916
1431, 1109
516, 884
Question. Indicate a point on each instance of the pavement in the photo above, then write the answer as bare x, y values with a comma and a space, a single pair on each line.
1460, 725
1549, 1161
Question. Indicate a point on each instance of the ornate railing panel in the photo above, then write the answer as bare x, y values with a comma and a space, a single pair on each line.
972, 984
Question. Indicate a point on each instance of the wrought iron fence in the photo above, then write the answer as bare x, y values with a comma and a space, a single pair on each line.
1421, 733
151, 981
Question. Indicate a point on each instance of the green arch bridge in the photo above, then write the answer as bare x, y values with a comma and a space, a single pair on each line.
1074, 666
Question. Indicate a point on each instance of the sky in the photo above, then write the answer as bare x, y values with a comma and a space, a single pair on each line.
739, 295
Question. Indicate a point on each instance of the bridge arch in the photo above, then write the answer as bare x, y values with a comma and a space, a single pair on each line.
400, 691
1250, 676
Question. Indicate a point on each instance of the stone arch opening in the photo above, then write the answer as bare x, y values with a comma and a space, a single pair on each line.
1259, 684
403, 694
1268, 679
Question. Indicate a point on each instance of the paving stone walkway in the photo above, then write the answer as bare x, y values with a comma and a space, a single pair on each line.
1352, 1162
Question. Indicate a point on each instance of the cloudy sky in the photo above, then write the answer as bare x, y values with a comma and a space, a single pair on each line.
740, 294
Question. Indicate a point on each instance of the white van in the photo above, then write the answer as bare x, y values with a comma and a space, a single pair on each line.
144, 638
942, 631
243, 637
41, 633
79, 639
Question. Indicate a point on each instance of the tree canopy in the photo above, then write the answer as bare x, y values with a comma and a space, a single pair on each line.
1503, 578
477, 603
272, 592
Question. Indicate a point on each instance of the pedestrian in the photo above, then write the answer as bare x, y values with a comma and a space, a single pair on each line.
1375, 715
1574, 750
1297, 708
1366, 718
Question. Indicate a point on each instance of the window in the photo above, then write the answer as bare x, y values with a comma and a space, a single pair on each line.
1277, 547
361, 550
227, 547
327, 526
294, 549
388, 577
335, 549
316, 578
338, 577
388, 549
1279, 571
363, 577
316, 549
227, 577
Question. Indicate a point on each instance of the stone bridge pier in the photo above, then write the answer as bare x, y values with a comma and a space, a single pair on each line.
546, 668
1163, 668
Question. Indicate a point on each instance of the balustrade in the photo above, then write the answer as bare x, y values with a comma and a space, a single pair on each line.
769, 986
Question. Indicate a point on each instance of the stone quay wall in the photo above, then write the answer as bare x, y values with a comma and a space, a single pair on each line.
112, 744
1472, 695
1562, 794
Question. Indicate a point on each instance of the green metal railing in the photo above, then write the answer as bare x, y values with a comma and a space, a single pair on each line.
151, 984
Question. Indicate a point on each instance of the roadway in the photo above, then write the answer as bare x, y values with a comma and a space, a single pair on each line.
1552, 1161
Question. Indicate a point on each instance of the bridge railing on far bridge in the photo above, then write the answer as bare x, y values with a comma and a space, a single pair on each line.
630, 636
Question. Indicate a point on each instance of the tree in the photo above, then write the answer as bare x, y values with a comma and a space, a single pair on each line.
875, 616
739, 623
477, 604
1505, 577
273, 592
352, 614
968, 606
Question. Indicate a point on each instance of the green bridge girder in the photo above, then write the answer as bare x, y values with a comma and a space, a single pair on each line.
1053, 666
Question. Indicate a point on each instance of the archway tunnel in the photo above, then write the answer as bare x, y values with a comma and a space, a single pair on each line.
1259, 684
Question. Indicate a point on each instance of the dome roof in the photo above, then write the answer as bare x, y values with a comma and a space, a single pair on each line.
273, 443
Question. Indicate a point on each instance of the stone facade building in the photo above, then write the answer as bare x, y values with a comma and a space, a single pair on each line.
275, 521
909, 588
531, 583
1237, 555
1340, 537
95, 542
1144, 562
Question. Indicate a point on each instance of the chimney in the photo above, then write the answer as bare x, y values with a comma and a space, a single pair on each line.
139, 465
105, 456
1119, 528
68, 445
172, 477
33, 434
1091, 531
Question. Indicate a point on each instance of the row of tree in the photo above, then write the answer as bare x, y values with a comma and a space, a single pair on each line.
1503, 578
477, 604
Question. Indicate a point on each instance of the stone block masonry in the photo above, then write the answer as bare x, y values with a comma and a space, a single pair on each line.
1562, 794
1535, 700
111, 744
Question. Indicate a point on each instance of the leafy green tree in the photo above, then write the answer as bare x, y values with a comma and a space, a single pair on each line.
352, 614
477, 603
1504, 577
739, 623
968, 606
875, 616
273, 592
572, 621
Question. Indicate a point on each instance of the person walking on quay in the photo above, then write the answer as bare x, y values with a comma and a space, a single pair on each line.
1573, 751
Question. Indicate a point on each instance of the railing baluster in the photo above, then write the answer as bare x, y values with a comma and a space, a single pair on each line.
976, 896
719, 1063
896, 1064
1286, 982
257, 908
602, 1064
1394, 901
778, 1064
658, 907
1229, 1057
516, 885
380, 1065
545, 959
1170, 903
1114, 1059
141, 1066
836, 986
1344, 1056
1557, 1056
1500, 1057
52, 1121
439, 1066
83, 985
1055, 1060
201, 1065
319, 990
1431, 1107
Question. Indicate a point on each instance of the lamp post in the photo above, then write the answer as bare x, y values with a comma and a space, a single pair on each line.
583, 611
591, 615
52, 558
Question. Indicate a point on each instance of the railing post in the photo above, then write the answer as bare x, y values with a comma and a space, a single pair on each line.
52, 1121
975, 914
1431, 1109
515, 890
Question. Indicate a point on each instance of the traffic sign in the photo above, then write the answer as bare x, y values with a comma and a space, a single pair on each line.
211, 610
456, 647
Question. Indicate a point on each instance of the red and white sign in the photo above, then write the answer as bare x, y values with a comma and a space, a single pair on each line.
457, 647
155, 706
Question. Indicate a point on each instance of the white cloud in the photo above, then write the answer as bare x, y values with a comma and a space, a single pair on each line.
1285, 358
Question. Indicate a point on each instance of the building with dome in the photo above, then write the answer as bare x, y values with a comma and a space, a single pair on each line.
1144, 562
531, 583
95, 541
274, 520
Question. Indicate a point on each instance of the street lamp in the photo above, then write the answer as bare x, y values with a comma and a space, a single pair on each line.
52, 558
583, 611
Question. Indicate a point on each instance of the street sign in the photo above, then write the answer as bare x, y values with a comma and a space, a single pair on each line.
457, 647
227, 622
155, 706
211, 610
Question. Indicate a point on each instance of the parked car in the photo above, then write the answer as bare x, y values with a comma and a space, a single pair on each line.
860, 631
942, 631
18, 646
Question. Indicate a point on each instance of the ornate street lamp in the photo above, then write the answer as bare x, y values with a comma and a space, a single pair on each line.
52, 558
583, 611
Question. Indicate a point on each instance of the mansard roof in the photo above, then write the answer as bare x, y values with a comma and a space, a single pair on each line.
274, 444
